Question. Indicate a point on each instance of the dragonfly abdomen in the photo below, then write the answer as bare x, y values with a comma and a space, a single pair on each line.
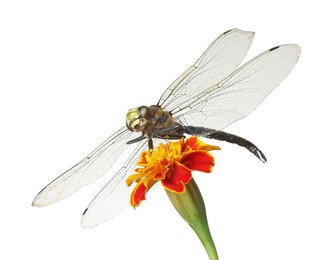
223, 136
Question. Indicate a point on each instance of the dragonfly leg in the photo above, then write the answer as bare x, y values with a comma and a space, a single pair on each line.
168, 129
135, 140
150, 143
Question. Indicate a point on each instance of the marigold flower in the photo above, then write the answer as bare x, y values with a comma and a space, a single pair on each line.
170, 163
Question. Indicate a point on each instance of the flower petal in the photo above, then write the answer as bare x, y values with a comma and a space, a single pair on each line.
178, 176
143, 158
198, 161
197, 144
138, 194
163, 170
135, 177
142, 187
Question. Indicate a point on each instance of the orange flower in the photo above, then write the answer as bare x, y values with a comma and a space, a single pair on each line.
171, 164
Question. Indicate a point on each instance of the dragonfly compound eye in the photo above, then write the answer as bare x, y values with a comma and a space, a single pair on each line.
145, 112
133, 119
137, 118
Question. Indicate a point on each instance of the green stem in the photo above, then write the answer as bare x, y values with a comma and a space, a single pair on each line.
206, 239
190, 205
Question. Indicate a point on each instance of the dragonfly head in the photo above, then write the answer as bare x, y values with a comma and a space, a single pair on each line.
137, 118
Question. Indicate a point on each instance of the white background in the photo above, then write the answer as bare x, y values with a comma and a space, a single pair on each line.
69, 70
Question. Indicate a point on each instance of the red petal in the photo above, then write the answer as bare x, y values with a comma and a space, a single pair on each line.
177, 179
160, 174
193, 142
138, 194
198, 161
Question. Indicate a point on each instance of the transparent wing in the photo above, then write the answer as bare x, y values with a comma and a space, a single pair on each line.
242, 91
87, 170
221, 58
115, 196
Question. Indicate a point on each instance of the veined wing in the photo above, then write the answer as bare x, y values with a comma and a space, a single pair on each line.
115, 196
221, 58
242, 91
87, 170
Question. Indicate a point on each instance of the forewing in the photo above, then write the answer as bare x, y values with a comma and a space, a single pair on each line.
87, 170
221, 58
115, 196
237, 95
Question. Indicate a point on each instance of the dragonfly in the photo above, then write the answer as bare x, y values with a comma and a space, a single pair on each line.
210, 95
